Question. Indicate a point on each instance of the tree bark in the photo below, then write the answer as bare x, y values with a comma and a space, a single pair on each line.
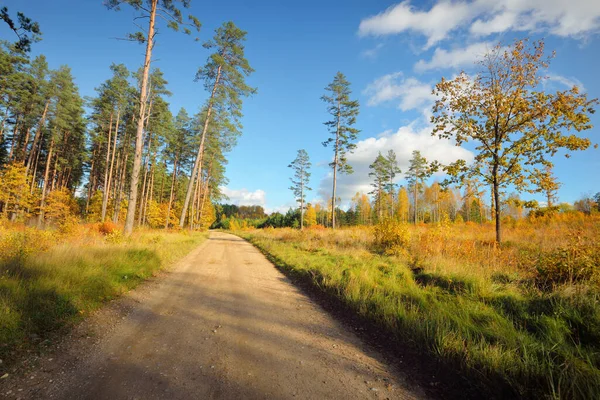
139, 142
106, 168
335, 164
198, 163
172, 190
45, 184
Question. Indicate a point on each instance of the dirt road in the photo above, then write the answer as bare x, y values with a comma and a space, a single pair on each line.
225, 324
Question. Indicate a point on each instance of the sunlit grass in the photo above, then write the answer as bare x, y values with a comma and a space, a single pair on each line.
50, 280
468, 303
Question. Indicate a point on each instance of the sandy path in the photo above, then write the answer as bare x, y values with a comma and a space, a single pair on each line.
225, 324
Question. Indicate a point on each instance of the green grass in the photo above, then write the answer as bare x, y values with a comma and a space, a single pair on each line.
511, 340
44, 291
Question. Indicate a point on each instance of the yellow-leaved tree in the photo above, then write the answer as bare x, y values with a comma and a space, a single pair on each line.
310, 216
15, 197
514, 125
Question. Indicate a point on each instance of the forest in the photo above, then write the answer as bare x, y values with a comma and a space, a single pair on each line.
453, 260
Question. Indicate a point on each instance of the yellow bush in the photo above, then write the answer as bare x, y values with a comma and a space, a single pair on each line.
392, 237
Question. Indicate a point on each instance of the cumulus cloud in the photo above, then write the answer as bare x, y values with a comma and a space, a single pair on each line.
455, 58
409, 92
244, 197
403, 142
572, 18
435, 24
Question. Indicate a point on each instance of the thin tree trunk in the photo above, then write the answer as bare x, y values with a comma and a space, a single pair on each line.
198, 163
45, 184
302, 198
38, 136
172, 190
139, 143
497, 209
106, 168
112, 162
335, 164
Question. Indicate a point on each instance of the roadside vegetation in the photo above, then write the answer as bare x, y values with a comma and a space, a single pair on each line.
50, 279
521, 319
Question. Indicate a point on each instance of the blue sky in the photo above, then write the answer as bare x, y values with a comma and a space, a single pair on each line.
392, 53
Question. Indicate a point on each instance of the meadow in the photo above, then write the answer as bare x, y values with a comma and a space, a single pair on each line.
51, 279
518, 320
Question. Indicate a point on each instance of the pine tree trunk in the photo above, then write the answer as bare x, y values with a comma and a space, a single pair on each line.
139, 139
45, 184
302, 199
106, 170
38, 136
335, 165
172, 190
196, 171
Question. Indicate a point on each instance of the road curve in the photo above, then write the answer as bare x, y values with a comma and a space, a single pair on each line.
225, 324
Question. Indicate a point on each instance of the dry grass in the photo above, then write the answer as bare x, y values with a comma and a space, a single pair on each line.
523, 317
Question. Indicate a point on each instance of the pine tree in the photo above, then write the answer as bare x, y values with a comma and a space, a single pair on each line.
418, 171
300, 166
380, 174
168, 11
224, 75
343, 112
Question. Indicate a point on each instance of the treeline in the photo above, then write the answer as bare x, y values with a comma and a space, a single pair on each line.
120, 154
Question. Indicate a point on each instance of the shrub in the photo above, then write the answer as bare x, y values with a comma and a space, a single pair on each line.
573, 263
107, 227
391, 237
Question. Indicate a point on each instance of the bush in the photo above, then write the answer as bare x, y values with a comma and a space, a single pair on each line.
576, 262
107, 227
392, 237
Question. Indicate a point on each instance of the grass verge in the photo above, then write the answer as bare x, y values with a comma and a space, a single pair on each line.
508, 341
43, 290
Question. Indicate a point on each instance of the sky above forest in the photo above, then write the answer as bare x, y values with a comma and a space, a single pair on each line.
392, 53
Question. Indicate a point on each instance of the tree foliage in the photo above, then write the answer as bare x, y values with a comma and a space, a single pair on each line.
514, 124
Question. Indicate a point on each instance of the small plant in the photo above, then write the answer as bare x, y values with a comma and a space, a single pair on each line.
107, 227
115, 237
392, 237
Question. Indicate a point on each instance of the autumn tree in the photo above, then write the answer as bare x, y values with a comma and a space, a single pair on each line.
168, 11
514, 124
343, 112
300, 180
224, 76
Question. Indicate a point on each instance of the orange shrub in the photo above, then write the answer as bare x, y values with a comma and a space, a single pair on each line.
107, 227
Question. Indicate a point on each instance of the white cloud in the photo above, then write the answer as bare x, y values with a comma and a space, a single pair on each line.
558, 17
410, 92
455, 58
569, 82
403, 142
435, 24
244, 197
572, 18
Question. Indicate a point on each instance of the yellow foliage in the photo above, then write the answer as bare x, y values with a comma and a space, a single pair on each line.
310, 216
156, 214
15, 196
392, 237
